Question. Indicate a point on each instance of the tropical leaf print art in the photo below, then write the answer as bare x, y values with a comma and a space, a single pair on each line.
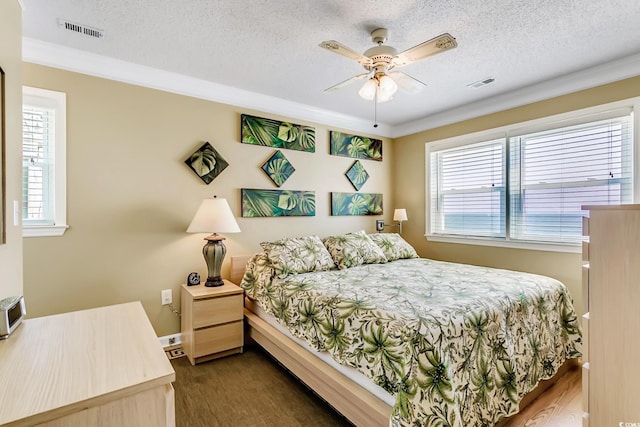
274, 133
356, 204
357, 175
358, 147
278, 168
270, 203
207, 163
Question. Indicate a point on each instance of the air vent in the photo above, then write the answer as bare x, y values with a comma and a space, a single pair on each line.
482, 82
80, 29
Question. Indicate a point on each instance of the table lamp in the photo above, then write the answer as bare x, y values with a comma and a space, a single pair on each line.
213, 216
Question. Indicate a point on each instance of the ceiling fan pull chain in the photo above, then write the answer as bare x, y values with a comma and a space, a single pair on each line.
375, 109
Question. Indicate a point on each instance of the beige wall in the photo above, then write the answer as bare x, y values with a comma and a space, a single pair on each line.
409, 186
131, 197
10, 61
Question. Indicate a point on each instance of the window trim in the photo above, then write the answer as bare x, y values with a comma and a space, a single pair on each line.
57, 100
516, 129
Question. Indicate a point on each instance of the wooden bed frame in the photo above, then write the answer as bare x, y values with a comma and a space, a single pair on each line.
358, 405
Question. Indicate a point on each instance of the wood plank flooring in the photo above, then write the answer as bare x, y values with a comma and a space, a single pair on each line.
251, 389
559, 406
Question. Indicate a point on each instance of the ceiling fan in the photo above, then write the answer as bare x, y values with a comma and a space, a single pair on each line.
382, 83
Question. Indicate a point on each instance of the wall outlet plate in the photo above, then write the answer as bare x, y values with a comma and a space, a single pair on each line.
379, 225
167, 297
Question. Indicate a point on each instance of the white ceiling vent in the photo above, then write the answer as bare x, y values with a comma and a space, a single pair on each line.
80, 29
482, 82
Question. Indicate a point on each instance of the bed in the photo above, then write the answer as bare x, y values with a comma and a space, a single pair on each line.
448, 344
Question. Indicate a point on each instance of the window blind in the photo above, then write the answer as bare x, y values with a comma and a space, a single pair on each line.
554, 173
468, 190
37, 157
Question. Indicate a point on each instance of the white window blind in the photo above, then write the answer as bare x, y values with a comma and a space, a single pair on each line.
525, 185
44, 191
554, 173
38, 134
468, 190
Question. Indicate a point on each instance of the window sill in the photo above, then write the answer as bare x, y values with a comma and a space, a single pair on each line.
43, 230
501, 243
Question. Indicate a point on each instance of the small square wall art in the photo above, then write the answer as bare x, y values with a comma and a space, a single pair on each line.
207, 163
278, 168
357, 175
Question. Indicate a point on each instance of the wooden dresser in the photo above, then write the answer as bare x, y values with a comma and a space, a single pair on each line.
611, 323
98, 367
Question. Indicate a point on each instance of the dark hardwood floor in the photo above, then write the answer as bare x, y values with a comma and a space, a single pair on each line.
251, 389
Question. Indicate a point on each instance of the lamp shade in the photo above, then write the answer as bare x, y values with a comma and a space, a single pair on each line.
214, 216
368, 90
400, 215
387, 87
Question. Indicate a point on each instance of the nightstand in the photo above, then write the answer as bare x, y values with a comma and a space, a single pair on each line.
212, 321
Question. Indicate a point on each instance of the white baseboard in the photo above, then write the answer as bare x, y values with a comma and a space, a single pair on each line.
170, 340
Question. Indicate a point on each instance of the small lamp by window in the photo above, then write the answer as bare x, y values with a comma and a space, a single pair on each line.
214, 216
399, 215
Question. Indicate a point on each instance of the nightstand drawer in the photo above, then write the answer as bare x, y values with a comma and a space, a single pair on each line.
213, 311
218, 338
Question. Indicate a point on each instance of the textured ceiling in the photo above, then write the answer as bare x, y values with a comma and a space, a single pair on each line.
271, 46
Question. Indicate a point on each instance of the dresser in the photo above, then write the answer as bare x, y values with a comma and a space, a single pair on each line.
98, 367
212, 321
611, 316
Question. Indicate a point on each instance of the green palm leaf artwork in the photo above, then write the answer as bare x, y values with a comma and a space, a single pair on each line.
356, 204
270, 203
278, 168
357, 175
207, 163
274, 133
358, 147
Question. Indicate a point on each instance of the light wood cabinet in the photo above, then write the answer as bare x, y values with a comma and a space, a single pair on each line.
90, 368
611, 324
212, 321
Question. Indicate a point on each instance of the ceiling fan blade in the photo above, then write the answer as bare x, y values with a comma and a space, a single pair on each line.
431, 47
406, 82
339, 48
346, 82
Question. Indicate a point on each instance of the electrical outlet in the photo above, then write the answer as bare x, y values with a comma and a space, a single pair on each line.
379, 225
167, 297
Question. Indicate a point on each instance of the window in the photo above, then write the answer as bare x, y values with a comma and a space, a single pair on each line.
43, 162
469, 188
526, 187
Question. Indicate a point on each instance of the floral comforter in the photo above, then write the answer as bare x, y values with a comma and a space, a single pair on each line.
457, 345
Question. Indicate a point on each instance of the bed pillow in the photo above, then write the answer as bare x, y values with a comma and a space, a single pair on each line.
297, 255
353, 249
393, 246
257, 276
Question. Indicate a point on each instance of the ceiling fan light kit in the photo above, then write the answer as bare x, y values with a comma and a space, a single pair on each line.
380, 88
381, 59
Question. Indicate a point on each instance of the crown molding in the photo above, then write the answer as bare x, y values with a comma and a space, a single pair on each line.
598, 75
62, 57
57, 56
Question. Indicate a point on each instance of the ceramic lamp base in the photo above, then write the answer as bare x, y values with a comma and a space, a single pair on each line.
214, 252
